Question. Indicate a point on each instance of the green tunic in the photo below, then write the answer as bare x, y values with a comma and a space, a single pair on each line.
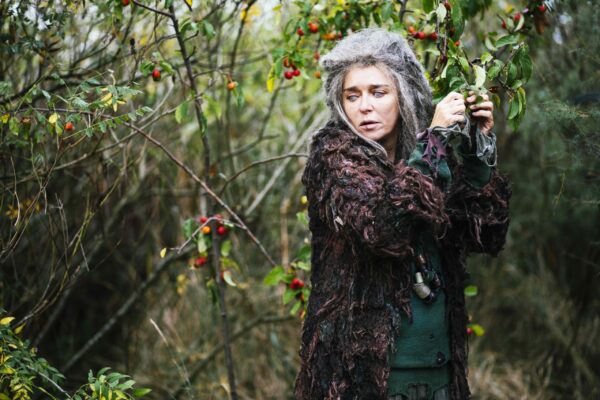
423, 346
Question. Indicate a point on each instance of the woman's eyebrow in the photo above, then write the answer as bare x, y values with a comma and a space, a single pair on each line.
374, 86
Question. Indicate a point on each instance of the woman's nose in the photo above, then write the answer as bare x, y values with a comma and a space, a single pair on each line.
365, 104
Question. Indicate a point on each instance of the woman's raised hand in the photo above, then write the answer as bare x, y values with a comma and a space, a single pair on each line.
481, 113
452, 110
449, 111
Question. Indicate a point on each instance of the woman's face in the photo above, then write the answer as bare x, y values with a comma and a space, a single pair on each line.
371, 102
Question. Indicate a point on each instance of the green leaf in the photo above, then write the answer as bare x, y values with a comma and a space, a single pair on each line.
203, 123
478, 329
513, 109
457, 19
181, 112
512, 73
495, 69
226, 248
471, 291
274, 276
508, 39
80, 104
304, 253
295, 308
141, 392
386, 10
207, 29
479, 76
288, 295
486, 57
427, 5
302, 265
489, 43
189, 226
202, 244
302, 217
524, 61
464, 64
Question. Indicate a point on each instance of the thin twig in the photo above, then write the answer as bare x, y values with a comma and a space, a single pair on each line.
242, 331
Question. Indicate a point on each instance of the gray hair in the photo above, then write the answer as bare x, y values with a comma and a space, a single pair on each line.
378, 47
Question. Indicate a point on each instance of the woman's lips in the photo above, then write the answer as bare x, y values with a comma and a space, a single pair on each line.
369, 125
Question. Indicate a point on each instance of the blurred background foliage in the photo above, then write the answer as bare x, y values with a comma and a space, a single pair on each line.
87, 208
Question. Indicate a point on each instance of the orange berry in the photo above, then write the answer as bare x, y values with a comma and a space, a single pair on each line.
69, 126
318, 74
231, 85
206, 230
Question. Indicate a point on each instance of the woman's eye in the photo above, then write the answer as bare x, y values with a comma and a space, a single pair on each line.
351, 97
378, 94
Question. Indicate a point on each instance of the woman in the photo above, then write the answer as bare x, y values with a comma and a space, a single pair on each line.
397, 199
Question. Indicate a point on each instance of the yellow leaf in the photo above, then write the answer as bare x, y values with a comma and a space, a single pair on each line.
19, 329
270, 83
6, 320
6, 371
163, 252
189, 3
5, 118
106, 98
53, 118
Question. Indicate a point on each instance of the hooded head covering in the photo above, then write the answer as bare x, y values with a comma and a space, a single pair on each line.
379, 47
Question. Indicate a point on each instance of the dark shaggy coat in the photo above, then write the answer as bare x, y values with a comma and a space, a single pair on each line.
364, 214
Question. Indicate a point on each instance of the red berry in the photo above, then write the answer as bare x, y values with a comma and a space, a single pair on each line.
300, 32
221, 230
202, 219
433, 36
313, 28
286, 62
296, 284
517, 17
542, 8
420, 35
447, 5
503, 24
156, 74
288, 75
69, 126
125, 3
317, 56
457, 43
200, 261
296, 72
469, 331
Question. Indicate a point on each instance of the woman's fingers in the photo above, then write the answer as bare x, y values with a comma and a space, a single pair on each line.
486, 105
482, 114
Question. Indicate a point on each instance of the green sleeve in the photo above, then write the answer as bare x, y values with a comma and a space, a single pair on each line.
479, 159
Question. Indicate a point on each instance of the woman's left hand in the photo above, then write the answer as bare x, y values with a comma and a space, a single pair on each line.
481, 113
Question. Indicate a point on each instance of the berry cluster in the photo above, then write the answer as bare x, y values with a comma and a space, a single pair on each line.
290, 73
221, 228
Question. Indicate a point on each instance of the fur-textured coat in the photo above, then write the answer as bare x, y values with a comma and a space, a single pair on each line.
364, 212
